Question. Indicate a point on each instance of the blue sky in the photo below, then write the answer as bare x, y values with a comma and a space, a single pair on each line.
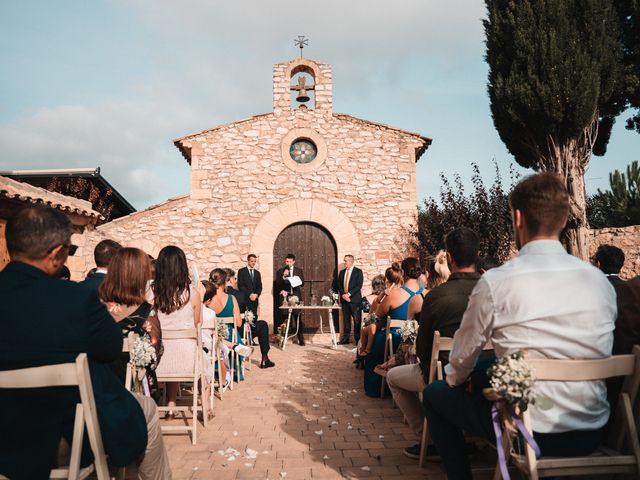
111, 83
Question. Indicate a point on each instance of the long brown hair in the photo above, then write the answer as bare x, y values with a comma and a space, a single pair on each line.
171, 285
127, 278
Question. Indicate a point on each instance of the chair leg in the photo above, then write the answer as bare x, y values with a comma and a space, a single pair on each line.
423, 442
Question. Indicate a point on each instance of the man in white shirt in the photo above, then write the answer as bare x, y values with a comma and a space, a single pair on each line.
545, 302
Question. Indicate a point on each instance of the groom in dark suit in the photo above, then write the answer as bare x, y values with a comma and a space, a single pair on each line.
46, 321
350, 289
283, 284
250, 282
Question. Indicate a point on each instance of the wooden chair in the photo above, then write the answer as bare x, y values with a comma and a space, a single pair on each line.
212, 346
621, 454
247, 339
440, 344
388, 349
66, 375
127, 346
235, 358
192, 373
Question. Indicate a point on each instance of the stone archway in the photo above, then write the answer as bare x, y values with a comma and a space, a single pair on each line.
285, 214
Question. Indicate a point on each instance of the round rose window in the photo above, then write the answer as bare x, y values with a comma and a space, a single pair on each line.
303, 150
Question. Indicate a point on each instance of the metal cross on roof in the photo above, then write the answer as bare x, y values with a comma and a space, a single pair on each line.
301, 42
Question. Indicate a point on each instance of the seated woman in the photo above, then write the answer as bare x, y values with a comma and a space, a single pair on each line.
123, 292
399, 304
223, 345
368, 319
391, 280
437, 271
179, 307
225, 305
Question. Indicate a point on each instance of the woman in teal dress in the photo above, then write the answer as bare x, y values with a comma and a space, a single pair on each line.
401, 303
224, 306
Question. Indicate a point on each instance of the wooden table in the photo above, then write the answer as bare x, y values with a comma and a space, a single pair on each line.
329, 309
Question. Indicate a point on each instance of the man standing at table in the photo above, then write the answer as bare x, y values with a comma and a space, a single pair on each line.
250, 282
350, 290
286, 278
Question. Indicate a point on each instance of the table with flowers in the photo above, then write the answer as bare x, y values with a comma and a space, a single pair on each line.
328, 308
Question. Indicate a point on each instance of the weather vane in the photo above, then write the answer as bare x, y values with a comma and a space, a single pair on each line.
301, 42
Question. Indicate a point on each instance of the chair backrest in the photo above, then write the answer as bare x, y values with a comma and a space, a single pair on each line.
186, 334
208, 323
67, 375
226, 320
443, 344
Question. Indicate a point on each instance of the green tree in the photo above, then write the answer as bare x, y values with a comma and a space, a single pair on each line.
620, 206
555, 71
484, 211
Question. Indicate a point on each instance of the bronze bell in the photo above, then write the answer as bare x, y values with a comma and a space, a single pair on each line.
302, 95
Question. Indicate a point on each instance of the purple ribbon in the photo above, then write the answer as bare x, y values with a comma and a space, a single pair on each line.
497, 428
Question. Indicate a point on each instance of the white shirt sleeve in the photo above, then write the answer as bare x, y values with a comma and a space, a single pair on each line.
473, 334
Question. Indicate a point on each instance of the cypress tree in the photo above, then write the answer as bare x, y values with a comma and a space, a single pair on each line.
555, 77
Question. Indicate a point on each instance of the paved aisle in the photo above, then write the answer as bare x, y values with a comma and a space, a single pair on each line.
306, 418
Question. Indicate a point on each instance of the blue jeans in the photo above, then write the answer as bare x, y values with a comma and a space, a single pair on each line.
452, 411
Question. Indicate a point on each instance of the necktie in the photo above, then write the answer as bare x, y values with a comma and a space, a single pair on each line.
291, 276
251, 273
346, 280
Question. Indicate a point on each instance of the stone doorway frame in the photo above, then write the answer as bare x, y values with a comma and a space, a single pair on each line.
285, 214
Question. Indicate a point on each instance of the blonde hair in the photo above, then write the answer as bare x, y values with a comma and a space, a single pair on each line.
438, 269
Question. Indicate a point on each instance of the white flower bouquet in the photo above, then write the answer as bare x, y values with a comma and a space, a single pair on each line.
249, 317
513, 379
293, 300
409, 331
142, 354
325, 301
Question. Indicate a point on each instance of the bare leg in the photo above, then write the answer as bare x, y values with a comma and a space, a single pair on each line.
172, 393
371, 336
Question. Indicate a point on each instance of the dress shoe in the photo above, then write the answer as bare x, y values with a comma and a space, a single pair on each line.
267, 364
344, 341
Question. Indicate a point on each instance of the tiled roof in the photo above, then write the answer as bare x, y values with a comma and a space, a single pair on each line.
24, 192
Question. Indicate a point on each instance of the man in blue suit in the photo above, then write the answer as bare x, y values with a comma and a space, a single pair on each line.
102, 254
47, 321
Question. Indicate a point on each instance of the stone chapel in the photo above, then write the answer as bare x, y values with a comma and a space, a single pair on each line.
301, 179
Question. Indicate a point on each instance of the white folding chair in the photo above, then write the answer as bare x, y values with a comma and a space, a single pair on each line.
621, 453
247, 339
192, 373
68, 375
212, 346
127, 346
440, 344
234, 339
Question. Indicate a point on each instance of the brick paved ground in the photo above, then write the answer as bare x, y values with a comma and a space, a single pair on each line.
307, 418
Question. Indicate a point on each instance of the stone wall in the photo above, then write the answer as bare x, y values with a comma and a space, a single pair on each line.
625, 238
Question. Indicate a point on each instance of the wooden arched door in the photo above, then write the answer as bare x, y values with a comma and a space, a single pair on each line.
316, 254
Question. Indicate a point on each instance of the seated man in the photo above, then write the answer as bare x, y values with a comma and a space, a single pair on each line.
259, 329
544, 301
610, 259
442, 310
47, 321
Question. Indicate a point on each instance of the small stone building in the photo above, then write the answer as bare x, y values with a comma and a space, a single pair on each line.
299, 179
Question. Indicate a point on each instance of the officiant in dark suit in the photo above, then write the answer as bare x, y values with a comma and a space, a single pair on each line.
283, 284
250, 283
350, 289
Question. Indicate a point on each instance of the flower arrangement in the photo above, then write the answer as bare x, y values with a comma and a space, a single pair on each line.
370, 319
249, 317
326, 301
293, 300
142, 354
222, 331
282, 330
409, 331
513, 379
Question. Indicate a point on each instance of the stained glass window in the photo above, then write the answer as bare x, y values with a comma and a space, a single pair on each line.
303, 150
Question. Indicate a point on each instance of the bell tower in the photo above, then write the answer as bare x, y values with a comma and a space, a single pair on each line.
310, 82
